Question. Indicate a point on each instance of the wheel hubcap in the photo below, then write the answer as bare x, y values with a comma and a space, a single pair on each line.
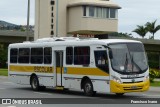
34, 83
88, 87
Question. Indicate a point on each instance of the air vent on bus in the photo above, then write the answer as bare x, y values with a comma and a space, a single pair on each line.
56, 39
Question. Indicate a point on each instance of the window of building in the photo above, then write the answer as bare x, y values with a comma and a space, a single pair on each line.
23, 56
100, 12
91, 11
84, 10
47, 55
52, 26
105, 13
13, 55
113, 13
52, 32
52, 2
81, 55
36, 55
52, 20
69, 55
52, 14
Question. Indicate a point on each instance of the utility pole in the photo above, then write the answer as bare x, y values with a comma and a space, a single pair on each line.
28, 16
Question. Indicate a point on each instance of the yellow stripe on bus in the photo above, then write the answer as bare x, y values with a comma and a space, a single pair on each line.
48, 69
38, 69
86, 71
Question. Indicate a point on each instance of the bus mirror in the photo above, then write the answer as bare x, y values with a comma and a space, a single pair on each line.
110, 54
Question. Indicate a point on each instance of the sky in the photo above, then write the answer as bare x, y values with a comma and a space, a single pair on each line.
133, 13
137, 12
15, 11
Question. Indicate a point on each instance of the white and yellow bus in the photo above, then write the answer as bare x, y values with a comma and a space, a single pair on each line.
92, 65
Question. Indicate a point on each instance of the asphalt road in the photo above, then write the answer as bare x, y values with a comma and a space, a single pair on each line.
11, 90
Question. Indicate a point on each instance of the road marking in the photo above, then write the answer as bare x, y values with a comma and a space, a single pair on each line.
3, 77
8, 83
11, 106
8, 106
42, 93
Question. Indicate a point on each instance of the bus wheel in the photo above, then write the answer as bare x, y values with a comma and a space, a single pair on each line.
35, 83
88, 88
119, 94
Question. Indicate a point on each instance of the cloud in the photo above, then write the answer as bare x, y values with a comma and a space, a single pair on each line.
137, 12
15, 11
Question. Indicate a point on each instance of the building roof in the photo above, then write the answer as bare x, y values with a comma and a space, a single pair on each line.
102, 3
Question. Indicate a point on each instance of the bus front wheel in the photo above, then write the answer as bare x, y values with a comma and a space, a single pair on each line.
35, 83
119, 94
88, 88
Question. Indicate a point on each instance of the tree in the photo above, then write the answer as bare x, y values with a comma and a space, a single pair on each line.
121, 34
152, 28
141, 31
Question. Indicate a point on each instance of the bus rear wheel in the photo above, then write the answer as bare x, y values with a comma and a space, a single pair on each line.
35, 83
88, 88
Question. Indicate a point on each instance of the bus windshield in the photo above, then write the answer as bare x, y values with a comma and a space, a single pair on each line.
128, 58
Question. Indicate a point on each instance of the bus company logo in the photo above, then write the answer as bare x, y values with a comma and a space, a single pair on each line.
6, 101
133, 80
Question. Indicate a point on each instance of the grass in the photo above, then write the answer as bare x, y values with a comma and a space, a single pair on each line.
155, 84
4, 72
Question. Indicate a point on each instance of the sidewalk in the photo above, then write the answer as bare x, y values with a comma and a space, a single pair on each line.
155, 89
157, 79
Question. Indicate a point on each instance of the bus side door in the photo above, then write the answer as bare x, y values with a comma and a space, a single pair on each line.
58, 67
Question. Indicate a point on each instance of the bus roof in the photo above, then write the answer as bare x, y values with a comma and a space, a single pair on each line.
70, 42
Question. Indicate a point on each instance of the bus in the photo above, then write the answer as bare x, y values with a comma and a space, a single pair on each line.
91, 65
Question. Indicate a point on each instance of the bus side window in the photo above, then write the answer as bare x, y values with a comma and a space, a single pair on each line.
47, 55
82, 55
23, 56
13, 55
69, 55
101, 60
36, 55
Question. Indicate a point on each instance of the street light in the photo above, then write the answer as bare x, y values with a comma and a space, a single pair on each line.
28, 16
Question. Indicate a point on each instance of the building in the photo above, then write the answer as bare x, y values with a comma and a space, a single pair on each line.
75, 17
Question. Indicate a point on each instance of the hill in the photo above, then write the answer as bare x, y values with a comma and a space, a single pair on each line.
6, 24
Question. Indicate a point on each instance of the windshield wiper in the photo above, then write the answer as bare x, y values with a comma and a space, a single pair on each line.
126, 63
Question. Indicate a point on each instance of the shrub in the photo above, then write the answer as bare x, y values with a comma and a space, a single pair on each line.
153, 73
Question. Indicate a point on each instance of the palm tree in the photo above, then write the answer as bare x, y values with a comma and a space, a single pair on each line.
141, 30
152, 28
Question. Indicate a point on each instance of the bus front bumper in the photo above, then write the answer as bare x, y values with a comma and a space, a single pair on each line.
116, 87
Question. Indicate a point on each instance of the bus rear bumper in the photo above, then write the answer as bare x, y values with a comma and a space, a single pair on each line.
131, 87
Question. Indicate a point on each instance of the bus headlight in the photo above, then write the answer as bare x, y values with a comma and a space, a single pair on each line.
146, 78
116, 79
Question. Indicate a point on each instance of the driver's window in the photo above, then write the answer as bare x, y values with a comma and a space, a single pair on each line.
101, 60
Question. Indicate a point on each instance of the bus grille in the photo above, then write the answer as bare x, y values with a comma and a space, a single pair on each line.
132, 82
133, 88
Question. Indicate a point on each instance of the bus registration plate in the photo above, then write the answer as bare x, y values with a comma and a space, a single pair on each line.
134, 87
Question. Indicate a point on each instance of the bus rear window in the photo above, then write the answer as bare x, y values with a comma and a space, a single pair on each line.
13, 55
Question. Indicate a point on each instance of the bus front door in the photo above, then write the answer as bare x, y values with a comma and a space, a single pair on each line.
59, 67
